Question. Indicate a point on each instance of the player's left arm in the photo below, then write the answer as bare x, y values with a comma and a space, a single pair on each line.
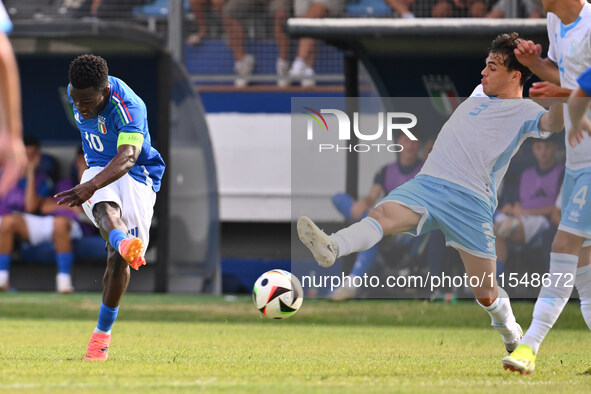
129, 147
578, 104
553, 120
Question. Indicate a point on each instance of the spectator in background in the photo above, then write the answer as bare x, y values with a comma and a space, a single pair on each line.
18, 219
460, 9
112, 9
527, 8
402, 8
67, 220
198, 8
303, 65
523, 222
233, 11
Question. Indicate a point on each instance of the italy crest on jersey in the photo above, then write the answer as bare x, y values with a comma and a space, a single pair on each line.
101, 125
443, 93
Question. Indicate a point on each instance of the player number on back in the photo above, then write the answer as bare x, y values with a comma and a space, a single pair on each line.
478, 109
94, 141
579, 198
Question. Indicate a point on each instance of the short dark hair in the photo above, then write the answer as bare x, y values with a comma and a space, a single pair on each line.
504, 45
88, 71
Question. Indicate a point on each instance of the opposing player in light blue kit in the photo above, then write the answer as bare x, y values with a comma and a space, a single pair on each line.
569, 55
456, 190
118, 191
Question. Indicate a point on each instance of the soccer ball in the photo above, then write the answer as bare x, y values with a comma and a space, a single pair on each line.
277, 294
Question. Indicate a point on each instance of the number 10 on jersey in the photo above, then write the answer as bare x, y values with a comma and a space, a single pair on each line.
94, 141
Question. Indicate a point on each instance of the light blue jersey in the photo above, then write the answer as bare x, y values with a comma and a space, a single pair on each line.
476, 144
125, 113
457, 187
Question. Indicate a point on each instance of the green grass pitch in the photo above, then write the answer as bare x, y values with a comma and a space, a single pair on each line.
164, 343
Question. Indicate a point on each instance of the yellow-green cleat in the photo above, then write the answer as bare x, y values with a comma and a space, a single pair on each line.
522, 360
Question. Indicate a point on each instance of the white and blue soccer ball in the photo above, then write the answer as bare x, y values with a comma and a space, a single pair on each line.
277, 294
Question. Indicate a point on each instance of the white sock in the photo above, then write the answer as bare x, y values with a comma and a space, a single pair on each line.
97, 331
583, 284
552, 299
357, 237
3, 277
501, 314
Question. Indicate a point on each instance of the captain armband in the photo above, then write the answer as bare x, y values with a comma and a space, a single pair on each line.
135, 139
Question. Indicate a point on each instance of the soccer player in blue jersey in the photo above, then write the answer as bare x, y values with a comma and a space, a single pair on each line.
456, 190
12, 150
118, 191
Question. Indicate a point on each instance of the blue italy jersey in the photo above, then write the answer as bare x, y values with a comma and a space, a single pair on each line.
125, 113
584, 81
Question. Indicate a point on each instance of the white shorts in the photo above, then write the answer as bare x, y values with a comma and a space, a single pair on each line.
135, 199
40, 228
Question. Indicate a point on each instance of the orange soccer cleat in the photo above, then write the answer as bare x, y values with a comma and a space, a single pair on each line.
98, 347
138, 262
131, 250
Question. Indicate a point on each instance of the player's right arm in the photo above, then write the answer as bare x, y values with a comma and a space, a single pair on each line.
528, 53
121, 164
10, 97
553, 120
12, 150
578, 104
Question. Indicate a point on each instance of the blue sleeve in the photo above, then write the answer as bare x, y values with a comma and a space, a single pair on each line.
584, 81
532, 127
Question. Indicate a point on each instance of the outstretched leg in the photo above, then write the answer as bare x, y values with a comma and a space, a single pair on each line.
387, 218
